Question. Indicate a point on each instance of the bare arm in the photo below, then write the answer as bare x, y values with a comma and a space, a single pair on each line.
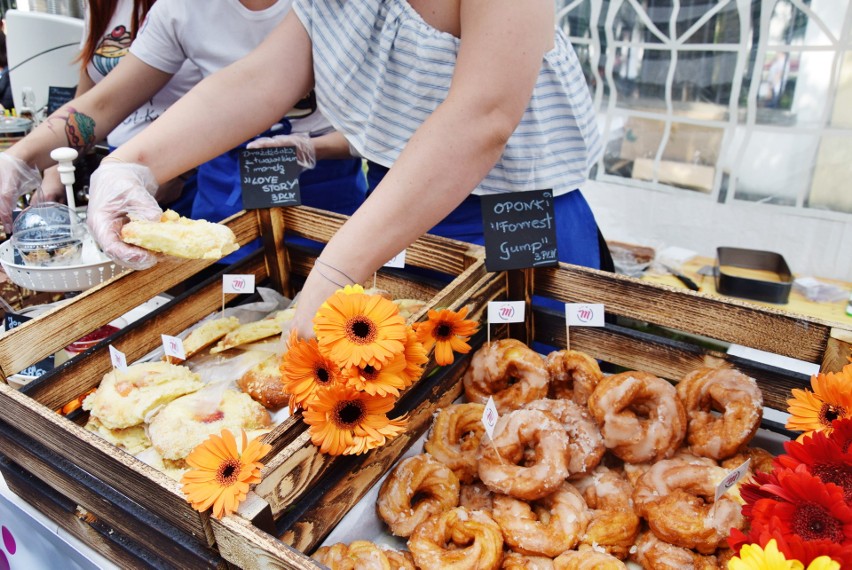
92, 115
261, 82
502, 47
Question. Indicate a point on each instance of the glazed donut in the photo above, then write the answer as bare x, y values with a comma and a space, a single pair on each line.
585, 443
614, 525
640, 416
516, 561
417, 488
504, 466
457, 539
476, 497
651, 552
546, 527
573, 375
676, 498
587, 559
761, 460
454, 438
633, 471
507, 370
362, 554
728, 392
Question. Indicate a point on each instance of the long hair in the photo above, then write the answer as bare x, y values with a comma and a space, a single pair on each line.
100, 13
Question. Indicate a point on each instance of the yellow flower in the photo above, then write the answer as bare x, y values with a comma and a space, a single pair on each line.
415, 356
304, 369
220, 475
359, 330
831, 399
344, 421
447, 331
752, 557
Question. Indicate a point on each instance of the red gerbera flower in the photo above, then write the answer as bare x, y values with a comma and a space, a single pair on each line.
805, 506
823, 457
842, 433
791, 545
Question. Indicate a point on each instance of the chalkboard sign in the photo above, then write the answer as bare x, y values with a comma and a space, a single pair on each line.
270, 178
13, 320
58, 96
520, 230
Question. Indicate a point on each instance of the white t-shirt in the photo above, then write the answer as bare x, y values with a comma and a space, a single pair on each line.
212, 35
114, 46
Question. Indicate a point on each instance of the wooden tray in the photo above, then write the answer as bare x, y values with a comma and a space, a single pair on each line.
292, 468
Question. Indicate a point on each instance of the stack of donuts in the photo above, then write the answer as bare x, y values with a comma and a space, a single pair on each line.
583, 471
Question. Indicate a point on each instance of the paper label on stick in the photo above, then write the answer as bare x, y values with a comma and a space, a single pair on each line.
731, 479
173, 346
397, 261
238, 283
489, 417
584, 315
119, 361
506, 311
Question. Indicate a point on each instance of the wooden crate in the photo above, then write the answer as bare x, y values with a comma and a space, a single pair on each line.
293, 467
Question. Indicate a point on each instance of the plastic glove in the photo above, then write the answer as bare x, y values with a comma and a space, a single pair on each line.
306, 154
117, 191
16, 179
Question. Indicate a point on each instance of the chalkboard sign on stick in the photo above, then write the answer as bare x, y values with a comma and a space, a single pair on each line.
58, 96
520, 230
270, 178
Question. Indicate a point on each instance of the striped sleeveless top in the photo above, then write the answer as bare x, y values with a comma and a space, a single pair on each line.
380, 71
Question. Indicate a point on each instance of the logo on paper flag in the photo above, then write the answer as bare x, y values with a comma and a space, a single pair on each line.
584, 315
173, 346
119, 361
397, 261
489, 417
506, 311
731, 479
238, 283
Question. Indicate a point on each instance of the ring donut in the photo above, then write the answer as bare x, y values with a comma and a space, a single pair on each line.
418, 487
640, 416
573, 375
508, 371
454, 438
585, 443
457, 539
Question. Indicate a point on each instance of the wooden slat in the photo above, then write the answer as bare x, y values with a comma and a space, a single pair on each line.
277, 260
95, 496
249, 548
55, 329
838, 353
728, 320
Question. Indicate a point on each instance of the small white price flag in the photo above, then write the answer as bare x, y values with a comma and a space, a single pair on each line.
731, 479
397, 261
119, 361
506, 312
584, 315
238, 283
489, 417
173, 346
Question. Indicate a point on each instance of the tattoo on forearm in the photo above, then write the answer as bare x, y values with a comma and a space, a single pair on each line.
80, 131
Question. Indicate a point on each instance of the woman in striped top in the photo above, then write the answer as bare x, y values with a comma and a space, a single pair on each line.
455, 97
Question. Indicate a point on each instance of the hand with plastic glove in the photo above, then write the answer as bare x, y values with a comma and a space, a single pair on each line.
306, 153
16, 179
119, 191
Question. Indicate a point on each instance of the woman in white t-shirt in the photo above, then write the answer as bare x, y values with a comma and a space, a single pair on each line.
110, 27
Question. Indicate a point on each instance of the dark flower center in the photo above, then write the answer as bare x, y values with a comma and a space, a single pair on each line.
369, 373
360, 330
813, 522
349, 413
835, 473
443, 331
228, 472
829, 413
322, 375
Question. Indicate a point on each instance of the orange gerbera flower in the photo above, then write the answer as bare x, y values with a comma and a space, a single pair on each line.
831, 399
447, 331
344, 421
355, 329
389, 379
220, 475
304, 369
416, 356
